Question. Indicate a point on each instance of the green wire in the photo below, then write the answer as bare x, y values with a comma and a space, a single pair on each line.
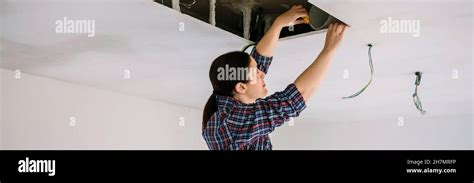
371, 75
416, 99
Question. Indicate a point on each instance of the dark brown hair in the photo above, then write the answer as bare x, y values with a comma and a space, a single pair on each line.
236, 59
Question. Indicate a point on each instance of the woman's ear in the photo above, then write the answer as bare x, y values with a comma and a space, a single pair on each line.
240, 88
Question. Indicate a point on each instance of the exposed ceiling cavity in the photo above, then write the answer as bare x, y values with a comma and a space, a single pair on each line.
250, 19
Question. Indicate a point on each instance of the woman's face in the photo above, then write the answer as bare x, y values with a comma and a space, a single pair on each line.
256, 87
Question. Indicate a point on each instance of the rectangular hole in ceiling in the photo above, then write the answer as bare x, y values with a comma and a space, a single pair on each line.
230, 16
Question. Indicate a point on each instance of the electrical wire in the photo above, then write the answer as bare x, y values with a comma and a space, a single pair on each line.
188, 5
248, 46
371, 75
416, 99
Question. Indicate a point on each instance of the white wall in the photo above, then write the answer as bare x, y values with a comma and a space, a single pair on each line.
37, 111
36, 115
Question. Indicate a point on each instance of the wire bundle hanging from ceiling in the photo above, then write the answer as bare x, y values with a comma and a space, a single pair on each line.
416, 99
371, 75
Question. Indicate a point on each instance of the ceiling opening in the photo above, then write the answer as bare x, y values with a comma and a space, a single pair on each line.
250, 19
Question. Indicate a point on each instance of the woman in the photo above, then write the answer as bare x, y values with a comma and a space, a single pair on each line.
238, 115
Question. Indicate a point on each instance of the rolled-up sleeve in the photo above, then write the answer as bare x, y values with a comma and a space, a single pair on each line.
268, 113
263, 62
280, 106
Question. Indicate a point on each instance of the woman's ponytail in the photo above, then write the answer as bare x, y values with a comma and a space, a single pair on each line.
209, 109
221, 87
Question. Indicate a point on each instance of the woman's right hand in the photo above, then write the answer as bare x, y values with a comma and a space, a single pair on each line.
291, 17
334, 36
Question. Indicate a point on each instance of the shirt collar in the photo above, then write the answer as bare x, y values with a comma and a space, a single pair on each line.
226, 101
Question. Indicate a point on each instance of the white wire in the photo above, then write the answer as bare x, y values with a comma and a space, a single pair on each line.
188, 5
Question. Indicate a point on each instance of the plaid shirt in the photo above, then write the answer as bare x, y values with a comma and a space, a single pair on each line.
239, 126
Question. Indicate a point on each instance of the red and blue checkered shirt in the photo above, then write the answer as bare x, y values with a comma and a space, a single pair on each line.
239, 126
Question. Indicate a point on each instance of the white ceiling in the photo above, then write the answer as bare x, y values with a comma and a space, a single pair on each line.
172, 66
